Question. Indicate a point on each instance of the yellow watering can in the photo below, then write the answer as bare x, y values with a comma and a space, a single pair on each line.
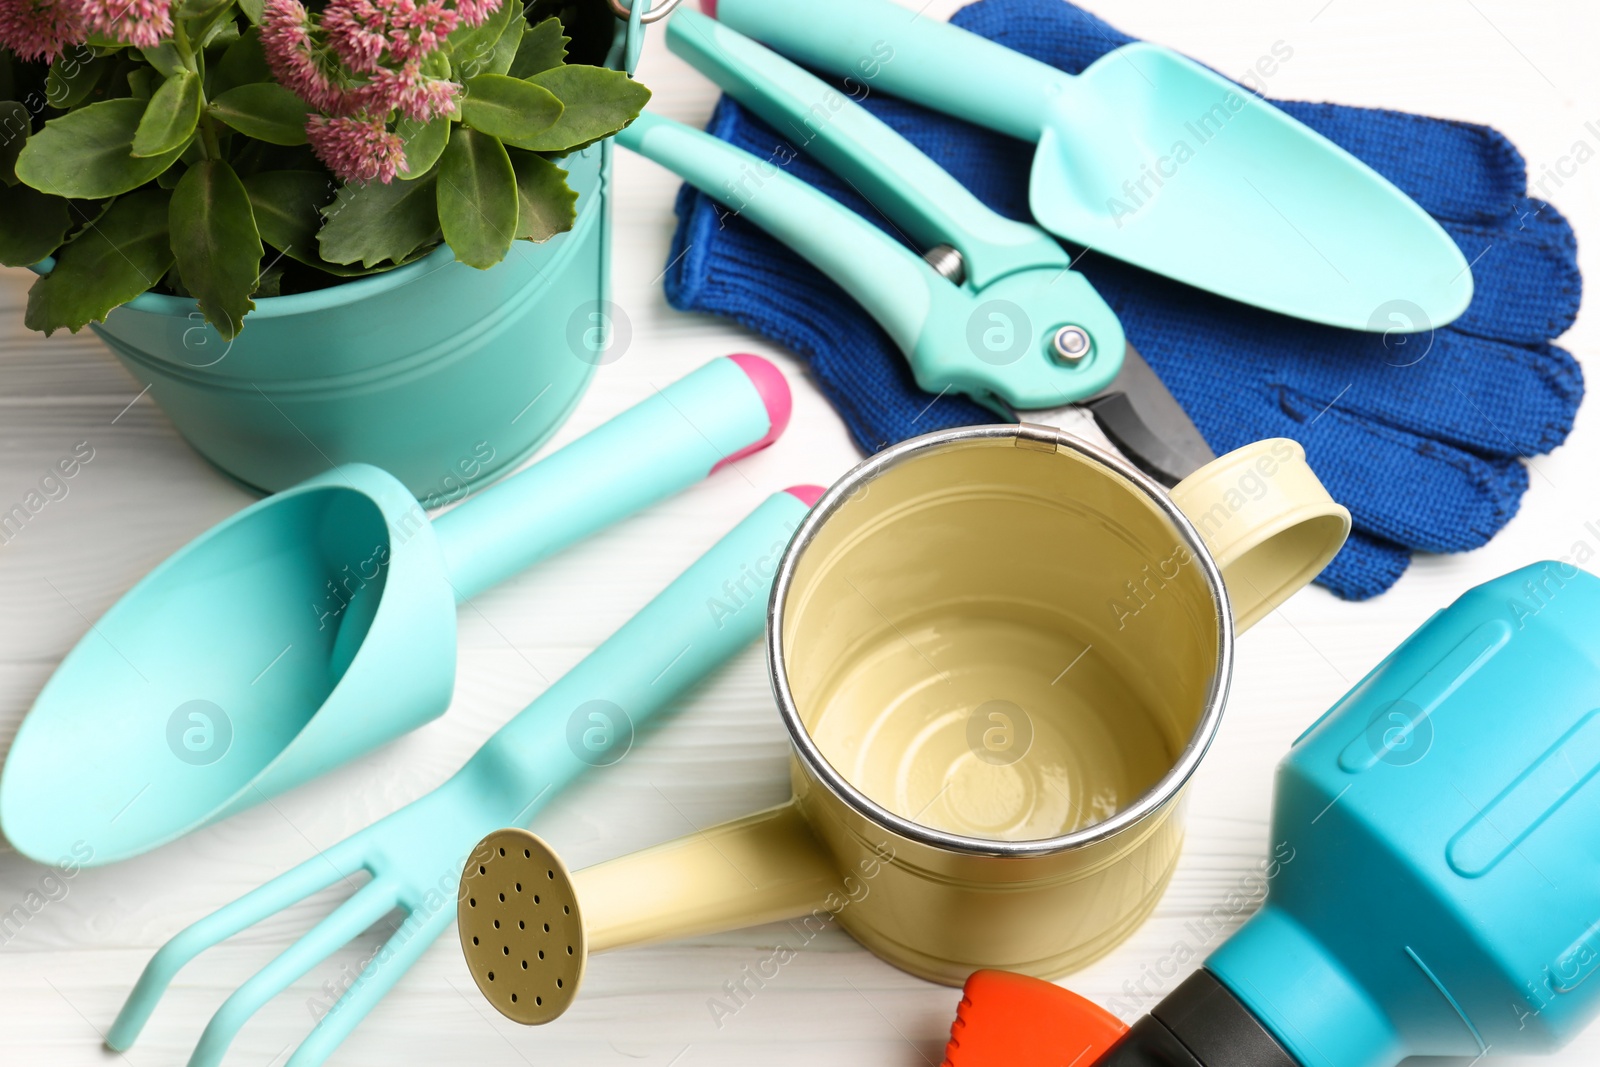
1000, 653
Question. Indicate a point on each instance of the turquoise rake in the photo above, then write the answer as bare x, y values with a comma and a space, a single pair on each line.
415, 856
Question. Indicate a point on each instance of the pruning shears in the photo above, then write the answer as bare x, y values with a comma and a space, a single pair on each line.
992, 309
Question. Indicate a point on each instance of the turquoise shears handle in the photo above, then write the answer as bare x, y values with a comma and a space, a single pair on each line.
993, 346
710, 612
922, 198
1002, 259
727, 409
892, 283
909, 55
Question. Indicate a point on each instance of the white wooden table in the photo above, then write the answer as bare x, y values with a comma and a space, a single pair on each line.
1525, 66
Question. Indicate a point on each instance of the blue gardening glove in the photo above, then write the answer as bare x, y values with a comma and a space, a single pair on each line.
1421, 436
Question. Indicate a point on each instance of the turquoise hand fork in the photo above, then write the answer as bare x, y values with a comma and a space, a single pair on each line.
415, 856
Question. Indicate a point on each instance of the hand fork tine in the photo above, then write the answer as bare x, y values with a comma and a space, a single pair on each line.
312, 876
376, 979
371, 903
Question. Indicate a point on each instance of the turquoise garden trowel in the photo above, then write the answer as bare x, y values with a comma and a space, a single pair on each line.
320, 623
1153, 159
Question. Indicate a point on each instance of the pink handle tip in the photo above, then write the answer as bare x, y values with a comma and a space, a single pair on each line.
773, 389
709, 7
806, 494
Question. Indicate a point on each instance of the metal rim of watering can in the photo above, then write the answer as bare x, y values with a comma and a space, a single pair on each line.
654, 14
1151, 800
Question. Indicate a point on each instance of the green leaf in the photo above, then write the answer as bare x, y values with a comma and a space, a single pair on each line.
32, 225
477, 198
424, 142
86, 154
271, 282
219, 28
252, 10
72, 79
470, 47
597, 103
505, 49
193, 9
544, 46
170, 117
112, 260
243, 63
507, 108
215, 240
287, 206
164, 57
371, 224
141, 83
264, 110
546, 205
15, 123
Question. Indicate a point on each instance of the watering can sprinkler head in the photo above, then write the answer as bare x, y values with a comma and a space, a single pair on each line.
1434, 883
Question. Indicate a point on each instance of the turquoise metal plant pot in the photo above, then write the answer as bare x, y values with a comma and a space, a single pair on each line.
442, 374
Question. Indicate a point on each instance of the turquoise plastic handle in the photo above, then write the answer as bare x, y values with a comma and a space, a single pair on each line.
893, 284
908, 54
654, 449
938, 325
714, 609
920, 196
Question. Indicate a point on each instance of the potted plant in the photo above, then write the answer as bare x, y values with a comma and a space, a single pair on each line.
359, 230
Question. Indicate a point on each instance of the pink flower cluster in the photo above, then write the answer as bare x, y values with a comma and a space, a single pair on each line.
360, 63
357, 149
141, 23
40, 30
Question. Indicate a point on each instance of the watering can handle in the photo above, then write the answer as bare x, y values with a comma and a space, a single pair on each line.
909, 55
727, 409
1268, 521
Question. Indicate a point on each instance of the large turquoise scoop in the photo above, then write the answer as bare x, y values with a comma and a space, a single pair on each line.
1153, 159
320, 623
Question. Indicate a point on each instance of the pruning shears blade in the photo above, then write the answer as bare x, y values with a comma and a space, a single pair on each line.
1144, 421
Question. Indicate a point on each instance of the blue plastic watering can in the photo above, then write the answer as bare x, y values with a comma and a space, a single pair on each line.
1435, 882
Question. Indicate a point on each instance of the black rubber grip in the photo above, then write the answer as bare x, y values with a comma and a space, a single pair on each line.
1199, 1024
